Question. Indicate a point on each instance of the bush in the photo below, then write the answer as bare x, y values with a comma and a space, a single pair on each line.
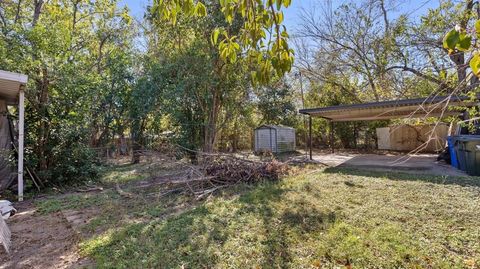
73, 165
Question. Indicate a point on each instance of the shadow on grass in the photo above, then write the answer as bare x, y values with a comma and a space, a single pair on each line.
444, 180
176, 242
282, 226
255, 228
268, 225
259, 202
192, 239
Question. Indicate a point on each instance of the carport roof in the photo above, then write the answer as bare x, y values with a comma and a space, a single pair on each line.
10, 84
396, 109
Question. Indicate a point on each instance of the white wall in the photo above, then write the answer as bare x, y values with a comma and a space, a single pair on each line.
265, 140
275, 140
383, 138
285, 139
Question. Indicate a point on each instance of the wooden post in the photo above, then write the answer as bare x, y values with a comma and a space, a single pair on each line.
21, 116
310, 135
332, 137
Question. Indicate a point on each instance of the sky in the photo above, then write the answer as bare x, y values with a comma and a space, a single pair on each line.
414, 8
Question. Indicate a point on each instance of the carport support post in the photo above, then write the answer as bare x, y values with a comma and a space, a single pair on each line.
332, 138
310, 135
21, 115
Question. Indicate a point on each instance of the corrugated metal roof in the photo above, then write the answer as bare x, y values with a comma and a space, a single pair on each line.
390, 109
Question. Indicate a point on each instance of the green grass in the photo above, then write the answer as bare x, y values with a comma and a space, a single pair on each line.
75, 201
321, 220
109, 176
124, 174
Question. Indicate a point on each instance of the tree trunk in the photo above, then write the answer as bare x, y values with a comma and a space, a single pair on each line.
211, 127
42, 138
474, 82
37, 10
458, 58
235, 138
93, 134
137, 139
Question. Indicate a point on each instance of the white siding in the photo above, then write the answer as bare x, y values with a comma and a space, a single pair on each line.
263, 139
285, 139
275, 139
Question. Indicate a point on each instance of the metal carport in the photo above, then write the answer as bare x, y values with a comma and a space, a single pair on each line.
437, 106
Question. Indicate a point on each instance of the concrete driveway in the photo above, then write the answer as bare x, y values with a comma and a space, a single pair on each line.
416, 164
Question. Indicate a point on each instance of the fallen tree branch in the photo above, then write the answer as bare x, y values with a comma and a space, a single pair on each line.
122, 192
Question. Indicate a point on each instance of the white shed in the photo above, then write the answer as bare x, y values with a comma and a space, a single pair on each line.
274, 138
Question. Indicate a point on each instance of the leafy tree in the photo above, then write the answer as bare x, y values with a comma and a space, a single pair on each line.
262, 36
202, 105
276, 103
77, 56
196, 86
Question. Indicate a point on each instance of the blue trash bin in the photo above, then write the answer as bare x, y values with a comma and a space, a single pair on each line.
451, 148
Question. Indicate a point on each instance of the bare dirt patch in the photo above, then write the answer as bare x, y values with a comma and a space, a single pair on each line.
41, 241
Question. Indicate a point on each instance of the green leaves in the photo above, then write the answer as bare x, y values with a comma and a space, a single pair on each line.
168, 10
464, 43
477, 28
229, 49
258, 18
215, 35
451, 39
126, 16
200, 10
457, 40
460, 40
279, 3
475, 64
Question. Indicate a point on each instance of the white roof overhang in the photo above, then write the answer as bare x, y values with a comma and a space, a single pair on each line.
10, 85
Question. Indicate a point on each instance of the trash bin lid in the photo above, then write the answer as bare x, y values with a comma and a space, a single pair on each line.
468, 138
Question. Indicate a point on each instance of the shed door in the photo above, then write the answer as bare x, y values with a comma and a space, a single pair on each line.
285, 140
263, 140
383, 138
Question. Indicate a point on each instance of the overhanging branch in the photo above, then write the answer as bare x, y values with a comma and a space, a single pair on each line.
441, 83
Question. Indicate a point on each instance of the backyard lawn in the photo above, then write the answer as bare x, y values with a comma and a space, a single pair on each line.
317, 219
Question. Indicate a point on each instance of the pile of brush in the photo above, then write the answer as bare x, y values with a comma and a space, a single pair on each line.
217, 171
231, 170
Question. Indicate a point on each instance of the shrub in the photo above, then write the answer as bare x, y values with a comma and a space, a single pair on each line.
72, 165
